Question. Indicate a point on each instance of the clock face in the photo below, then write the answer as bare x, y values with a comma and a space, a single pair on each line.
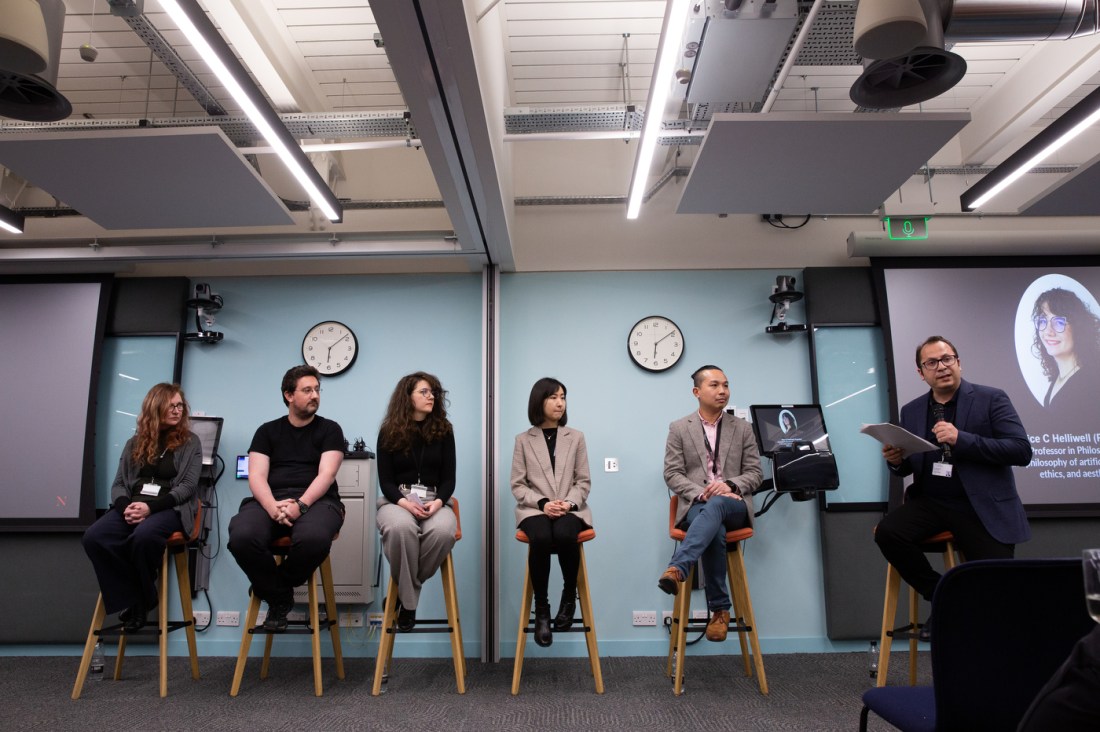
330, 347
655, 343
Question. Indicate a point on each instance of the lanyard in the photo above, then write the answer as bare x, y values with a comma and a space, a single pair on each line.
712, 454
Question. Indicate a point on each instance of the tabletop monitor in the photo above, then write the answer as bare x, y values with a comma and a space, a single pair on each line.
782, 426
209, 432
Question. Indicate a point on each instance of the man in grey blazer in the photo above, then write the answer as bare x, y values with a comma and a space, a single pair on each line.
712, 464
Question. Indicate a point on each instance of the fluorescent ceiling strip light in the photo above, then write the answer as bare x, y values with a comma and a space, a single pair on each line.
1053, 138
10, 221
187, 15
660, 87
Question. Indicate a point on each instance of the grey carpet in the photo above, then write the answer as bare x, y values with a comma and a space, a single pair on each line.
807, 692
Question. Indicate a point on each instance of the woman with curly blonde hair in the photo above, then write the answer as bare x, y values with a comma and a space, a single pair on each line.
152, 497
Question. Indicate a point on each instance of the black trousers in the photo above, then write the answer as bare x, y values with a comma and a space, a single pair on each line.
126, 557
251, 532
899, 536
546, 536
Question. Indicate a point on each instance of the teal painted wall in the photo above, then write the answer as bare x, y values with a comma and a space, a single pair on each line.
572, 326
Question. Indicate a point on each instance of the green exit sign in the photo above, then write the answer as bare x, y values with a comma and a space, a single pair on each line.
916, 228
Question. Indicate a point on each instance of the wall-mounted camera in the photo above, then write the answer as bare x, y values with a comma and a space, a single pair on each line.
783, 294
205, 303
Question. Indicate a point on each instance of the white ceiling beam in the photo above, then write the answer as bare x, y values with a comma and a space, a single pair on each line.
429, 46
1044, 77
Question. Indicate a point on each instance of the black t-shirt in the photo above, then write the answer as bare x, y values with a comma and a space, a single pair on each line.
295, 453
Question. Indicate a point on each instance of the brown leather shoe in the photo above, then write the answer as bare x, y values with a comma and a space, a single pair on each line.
670, 580
718, 626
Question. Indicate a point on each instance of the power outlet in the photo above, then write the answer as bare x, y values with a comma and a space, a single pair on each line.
700, 615
374, 620
202, 618
351, 620
666, 617
645, 617
261, 617
297, 616
229, 617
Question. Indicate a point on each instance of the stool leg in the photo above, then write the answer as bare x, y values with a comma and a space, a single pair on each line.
914, 622
681, 614
333, 612
735, 562
385, 643
120, 656
315, 634
246, 641
589, 620
949, 560
889, 611
450, 599
737, 619
89, 646
162, 624
524, 621
183, 580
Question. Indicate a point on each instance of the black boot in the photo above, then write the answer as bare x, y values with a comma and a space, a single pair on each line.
566, 610
543, 636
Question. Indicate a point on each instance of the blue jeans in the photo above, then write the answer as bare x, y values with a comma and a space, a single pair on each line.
708, 523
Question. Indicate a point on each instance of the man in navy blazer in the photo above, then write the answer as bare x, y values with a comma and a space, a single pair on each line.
966, 486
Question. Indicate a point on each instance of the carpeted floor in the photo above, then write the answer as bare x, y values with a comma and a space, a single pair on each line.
807, 692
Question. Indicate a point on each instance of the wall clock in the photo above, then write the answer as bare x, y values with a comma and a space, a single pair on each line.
330, 347
655, 343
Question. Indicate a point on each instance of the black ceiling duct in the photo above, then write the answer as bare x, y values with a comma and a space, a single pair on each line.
32, 97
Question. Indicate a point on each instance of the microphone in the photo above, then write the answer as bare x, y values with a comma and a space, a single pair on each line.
938, 415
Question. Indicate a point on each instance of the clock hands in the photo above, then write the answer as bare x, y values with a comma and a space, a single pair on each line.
328, 356
666, 335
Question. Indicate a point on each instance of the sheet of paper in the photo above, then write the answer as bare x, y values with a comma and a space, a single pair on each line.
891, 434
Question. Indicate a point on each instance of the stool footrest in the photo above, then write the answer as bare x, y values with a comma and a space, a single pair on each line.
116, 630
395, 631
573, 629
293, 627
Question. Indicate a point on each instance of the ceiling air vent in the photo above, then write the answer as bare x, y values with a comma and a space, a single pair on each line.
32, 97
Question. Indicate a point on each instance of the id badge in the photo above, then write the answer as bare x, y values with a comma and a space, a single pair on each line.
942, 469
421, 491
150, 489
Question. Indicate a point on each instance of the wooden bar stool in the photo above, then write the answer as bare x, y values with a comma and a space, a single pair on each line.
588, 620
177, 547
313, 625
451, 624
741, 616
943, 542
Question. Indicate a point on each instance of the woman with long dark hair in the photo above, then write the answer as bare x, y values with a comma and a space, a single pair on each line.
550, 481
416, 474
152, 497
1067, 343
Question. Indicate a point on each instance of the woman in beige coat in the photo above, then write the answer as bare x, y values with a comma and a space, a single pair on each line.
550, 481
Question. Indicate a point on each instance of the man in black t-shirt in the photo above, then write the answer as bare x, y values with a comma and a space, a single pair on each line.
292, 466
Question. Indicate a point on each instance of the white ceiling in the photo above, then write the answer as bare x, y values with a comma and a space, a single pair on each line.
474, 78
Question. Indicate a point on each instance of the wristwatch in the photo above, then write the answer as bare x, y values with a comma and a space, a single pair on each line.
302, 506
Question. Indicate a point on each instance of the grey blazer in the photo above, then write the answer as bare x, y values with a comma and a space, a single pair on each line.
686, 457
533, 479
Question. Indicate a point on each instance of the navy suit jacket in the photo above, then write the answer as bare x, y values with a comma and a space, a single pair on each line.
991, 440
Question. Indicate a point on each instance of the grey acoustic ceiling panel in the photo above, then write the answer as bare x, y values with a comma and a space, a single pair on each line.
147, 179
809, 163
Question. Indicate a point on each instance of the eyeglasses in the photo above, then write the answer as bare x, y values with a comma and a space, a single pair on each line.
310, 391
1058, 323
934, 363
175, 407
427, 393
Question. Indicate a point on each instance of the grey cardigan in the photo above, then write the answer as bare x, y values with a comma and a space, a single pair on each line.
188, 462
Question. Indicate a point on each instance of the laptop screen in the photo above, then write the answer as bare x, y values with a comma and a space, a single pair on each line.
209, 432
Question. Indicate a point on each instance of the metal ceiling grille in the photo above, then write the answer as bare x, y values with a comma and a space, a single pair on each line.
829, 42
521, 120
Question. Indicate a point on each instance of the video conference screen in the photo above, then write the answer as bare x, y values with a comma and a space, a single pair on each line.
1033, 331
780, 427
51, 336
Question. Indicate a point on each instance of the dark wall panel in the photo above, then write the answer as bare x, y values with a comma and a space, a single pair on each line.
149, 305
840, 296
